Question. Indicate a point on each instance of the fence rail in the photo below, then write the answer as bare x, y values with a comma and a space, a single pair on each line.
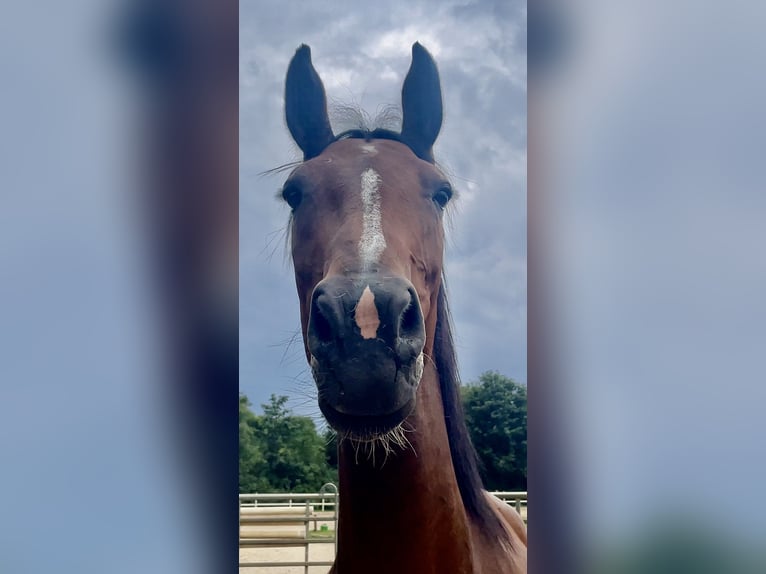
515, 499
293, 513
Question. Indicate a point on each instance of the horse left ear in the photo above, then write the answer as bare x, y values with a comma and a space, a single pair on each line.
421, 104
306, 105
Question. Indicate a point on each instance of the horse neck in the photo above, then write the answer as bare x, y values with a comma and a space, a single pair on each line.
404, 514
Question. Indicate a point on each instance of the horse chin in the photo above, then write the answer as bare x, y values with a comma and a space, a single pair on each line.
368, 422
365, 427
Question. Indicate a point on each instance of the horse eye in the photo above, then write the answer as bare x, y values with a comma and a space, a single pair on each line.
292, 194
442, 196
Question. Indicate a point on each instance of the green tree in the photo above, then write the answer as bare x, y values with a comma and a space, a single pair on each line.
496, 415
279, 451
252, 465
331, 448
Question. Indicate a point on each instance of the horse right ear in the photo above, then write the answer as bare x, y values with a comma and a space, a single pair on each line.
421, 104
306, 105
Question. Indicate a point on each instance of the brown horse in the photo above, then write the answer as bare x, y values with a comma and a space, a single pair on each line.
367, 245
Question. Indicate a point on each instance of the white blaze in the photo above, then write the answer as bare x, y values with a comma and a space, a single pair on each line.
366, 314
372, 242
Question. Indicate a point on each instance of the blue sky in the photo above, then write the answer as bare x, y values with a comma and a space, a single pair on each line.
480, 48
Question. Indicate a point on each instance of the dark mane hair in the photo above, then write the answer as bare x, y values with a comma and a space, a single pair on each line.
366, 134
464, 458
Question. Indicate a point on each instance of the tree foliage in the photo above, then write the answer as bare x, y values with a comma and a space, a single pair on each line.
279, 451
282, 452
252, 464
496, 415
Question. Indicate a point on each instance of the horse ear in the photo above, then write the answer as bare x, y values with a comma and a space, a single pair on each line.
421, 104
306, 105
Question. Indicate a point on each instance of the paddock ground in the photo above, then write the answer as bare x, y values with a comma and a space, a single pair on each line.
317, 552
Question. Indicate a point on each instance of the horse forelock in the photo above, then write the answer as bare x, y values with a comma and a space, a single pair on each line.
355, 123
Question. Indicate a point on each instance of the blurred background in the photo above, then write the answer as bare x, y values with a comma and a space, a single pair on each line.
118, 255
646, 211
119, 291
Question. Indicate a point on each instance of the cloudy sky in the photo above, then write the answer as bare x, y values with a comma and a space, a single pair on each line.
362, 57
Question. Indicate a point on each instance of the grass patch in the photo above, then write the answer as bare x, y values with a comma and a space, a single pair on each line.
321, 534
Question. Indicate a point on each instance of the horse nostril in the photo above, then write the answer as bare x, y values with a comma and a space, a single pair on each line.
325, 317
411, 321
321, 325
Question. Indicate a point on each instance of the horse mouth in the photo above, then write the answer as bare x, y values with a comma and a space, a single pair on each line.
363, 427
366, 408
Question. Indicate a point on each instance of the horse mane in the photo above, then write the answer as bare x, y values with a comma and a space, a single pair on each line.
366, 134
464, 458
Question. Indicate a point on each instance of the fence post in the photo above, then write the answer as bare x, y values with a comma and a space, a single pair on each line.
323, 492
308, 516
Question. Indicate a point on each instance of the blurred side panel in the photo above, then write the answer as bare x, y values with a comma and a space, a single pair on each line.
118, 287
552, 546
647, 317
186, 55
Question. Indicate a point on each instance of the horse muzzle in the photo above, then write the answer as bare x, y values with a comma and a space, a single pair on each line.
366, 336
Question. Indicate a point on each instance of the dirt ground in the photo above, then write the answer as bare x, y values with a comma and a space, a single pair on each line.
317, 552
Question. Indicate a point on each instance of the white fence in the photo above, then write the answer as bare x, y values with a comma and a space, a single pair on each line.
292, 520
284, 520
516, 499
